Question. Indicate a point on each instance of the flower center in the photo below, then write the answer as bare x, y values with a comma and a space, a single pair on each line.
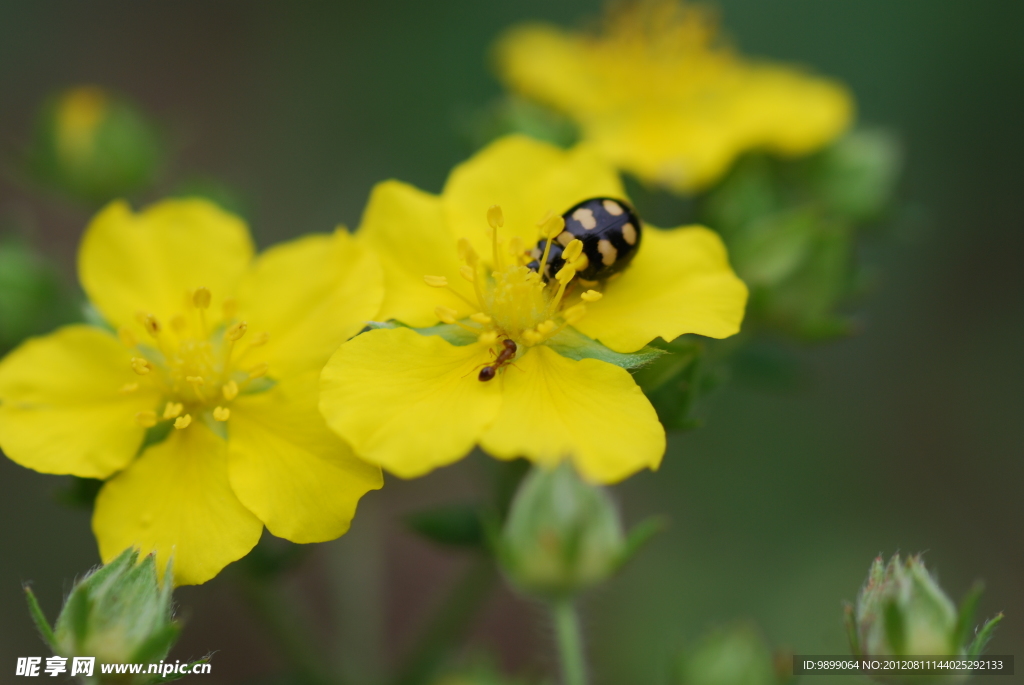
198, 368
510, 301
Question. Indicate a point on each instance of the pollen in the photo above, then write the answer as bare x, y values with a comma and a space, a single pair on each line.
182, 422
221, 413
259, 370
259, 339
129, 388
591, 296
173, 410
445, 314
236, 331
127, 338
436, 281
141, 366
230, 390
495, 217
151, 324
201, 298
146, 419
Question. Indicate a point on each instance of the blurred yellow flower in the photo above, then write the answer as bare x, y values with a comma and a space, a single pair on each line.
662, 97
218, 354
413, 401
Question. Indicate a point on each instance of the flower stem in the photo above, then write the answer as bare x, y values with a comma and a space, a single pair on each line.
569, 637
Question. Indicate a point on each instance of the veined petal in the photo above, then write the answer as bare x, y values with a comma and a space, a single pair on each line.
555, 408
406, 401
679, 282
310, 295
405, 227
63, 408
149, 261
289, 469
175, 500
527, 179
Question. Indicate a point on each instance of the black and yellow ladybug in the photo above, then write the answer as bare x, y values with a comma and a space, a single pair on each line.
609, 230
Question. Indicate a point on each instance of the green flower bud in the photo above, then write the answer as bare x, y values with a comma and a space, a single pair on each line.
901, 610
119, 613
33, 299
563, 535
736, 655
94, 146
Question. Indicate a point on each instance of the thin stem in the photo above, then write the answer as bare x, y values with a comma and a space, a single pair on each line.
569, 637
296, 645
447, 628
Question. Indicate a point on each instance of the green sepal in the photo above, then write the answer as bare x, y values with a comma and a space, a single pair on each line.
455, 525
155, 435
453, 333
157, 645
79, 493
981, 639
850, 622
574, 345
674, 381
639, 536
39, 618
895, 630
965, 617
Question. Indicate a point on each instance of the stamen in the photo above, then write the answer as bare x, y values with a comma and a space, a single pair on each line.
179, 323
435, 281
533, 337
591, 296
182, 422
230, 390
466, 252
201, 298
552, 227
173, 410
221, 414
259, 370
468, 272
573, 250
546, 327
445, 315
151, 324
259, 339
574, 313
488, 338
146, 419
141, 366
197, 384
495, 217
129, 388
230, 308
481, 318
126, 337
236, 331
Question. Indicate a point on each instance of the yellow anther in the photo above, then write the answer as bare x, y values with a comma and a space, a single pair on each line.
445, 314
178, 323
468, 272
259, 339
544, 219
259, 370
466, 252
201, 297
581, 262
532, 337
488, 338
573, 250
236, 330
552, 226
141, 366
221, 413
481, 318
565, 274
230, 390
515, 246
182, 422
230, 308
146, 419
436, 281
126, 337
546, 327
591, 296
151, 324
173, 410
129, 388
574, 313
195, 380
495, 217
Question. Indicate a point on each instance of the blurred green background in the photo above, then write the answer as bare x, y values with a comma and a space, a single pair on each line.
907, 438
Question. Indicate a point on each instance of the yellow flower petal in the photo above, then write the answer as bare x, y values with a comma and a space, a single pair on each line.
659, 95
679, 282
175, 500
68, 403
527, 179
408, 402
310, 295
147, 262
589, 411
289, 469
406, 227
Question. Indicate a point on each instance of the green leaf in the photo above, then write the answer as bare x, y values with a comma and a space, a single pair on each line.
457, 525
39, 618
850, 621
639, 537
574, 345
453, 333
965, 617
673, 382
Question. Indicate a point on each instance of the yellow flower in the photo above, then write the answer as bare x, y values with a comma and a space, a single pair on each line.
217, 351
411, 401
660, 95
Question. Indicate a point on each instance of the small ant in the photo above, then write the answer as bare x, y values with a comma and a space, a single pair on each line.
504, 357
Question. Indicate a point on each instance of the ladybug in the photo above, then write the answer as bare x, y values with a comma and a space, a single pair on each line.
609, 230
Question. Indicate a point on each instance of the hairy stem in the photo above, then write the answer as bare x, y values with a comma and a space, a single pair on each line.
569, 637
